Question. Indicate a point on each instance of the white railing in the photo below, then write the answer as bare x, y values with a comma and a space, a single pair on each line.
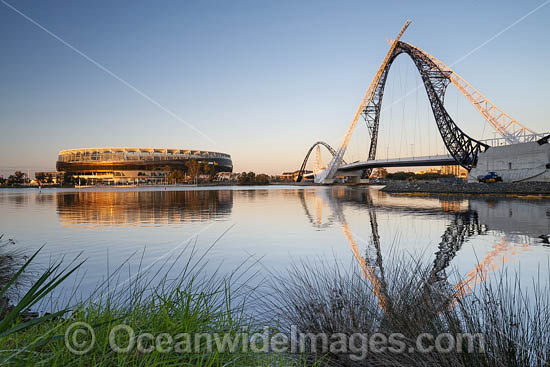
524, 138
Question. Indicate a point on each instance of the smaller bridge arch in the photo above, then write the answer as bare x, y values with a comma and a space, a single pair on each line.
304, 163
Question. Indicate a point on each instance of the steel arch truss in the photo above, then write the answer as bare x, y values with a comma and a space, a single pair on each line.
462, 147
303, 168
464, 226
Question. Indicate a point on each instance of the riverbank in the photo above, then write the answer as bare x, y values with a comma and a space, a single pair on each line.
150, 319
410, 317
539, 189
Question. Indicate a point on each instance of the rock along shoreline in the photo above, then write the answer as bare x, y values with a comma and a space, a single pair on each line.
499, 188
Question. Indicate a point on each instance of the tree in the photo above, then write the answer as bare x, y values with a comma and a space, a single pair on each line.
176, 176
262, 179
207, 169
241, 180
251, 178
400, 175
247, 178
18, 178
380, 173
68, 179
2, 180
193, 168
40, 177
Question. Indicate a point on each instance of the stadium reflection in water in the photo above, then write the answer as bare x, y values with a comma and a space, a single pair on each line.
279, 225
142, 208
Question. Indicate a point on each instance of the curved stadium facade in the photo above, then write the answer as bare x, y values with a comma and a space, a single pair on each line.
134, 165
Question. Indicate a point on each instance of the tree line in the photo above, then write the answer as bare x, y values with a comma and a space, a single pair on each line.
251, 178
16, 179
19, 178
193, 169
189, 174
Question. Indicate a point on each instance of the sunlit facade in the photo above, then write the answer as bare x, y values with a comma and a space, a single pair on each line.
134, 165
291, 176
456, 170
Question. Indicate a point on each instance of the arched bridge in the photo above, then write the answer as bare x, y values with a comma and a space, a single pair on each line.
436, 76
304, 163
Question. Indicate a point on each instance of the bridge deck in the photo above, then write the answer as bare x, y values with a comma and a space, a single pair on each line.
434, 160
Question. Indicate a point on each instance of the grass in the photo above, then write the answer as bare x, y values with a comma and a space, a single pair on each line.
405, 297
150, 302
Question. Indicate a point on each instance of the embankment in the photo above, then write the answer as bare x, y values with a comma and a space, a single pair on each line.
433, 187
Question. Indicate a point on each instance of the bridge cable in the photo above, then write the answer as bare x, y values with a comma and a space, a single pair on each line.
389, 137
402, 112
405, 108
416, 123
403, 115
457, 118
429, 135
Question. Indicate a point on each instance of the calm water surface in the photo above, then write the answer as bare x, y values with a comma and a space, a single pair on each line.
273, 225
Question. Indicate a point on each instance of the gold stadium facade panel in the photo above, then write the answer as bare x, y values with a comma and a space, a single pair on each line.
134, 165
101, 159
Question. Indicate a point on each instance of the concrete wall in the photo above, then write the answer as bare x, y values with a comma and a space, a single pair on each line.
518, 162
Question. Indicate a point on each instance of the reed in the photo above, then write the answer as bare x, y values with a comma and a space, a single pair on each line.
324, 297
191, 301
317, 297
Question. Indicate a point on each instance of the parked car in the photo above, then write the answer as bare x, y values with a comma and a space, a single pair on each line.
489, 178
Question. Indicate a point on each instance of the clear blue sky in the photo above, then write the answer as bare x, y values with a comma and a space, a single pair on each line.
263, 79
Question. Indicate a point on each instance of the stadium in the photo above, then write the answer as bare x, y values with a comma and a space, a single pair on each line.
135, 165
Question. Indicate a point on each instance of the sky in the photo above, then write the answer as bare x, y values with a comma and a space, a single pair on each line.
260, 80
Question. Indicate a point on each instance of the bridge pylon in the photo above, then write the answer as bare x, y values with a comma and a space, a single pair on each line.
327, 176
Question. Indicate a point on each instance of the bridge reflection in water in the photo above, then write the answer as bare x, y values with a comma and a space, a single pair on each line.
142, 208
280, 223
467, 219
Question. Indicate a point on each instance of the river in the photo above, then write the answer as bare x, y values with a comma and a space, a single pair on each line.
270, 227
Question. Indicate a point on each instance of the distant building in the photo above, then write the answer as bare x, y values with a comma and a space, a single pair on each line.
457, 171
291, 176
429, 170
134, 165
